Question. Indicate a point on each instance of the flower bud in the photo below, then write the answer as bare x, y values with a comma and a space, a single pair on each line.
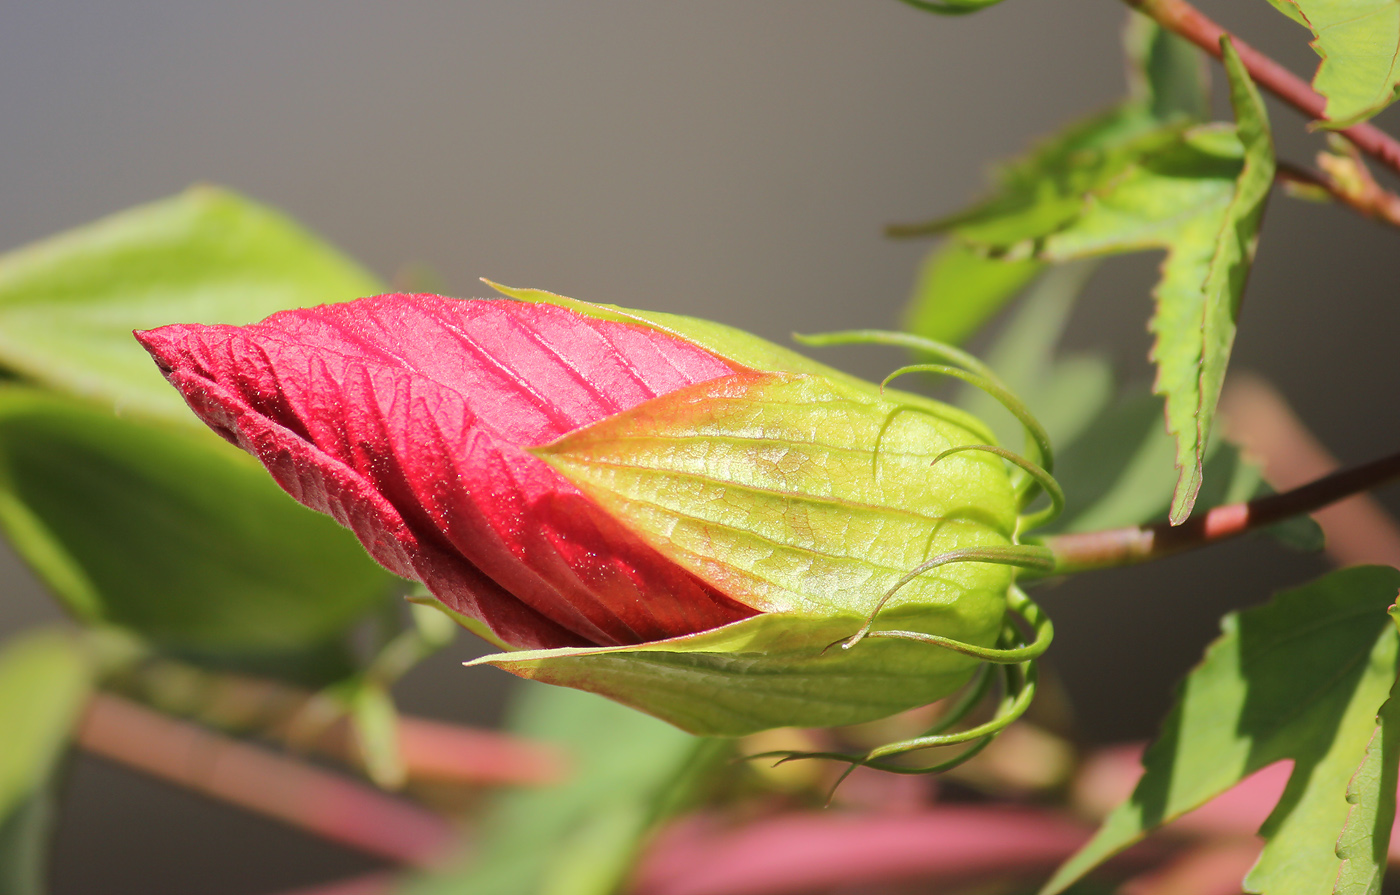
671, 513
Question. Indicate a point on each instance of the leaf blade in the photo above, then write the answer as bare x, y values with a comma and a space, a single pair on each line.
68, 304
1300, 678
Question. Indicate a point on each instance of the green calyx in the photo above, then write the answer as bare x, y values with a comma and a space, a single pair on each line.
874, 531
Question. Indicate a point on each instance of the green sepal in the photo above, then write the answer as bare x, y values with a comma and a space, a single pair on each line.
774, 670
796, 494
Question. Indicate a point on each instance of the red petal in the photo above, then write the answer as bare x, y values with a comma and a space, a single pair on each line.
405, 418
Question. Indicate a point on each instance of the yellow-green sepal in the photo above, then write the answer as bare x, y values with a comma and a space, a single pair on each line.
775, 670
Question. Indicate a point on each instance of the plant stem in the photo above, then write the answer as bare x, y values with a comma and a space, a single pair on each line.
1082, 551
432, 751
1183, 19
1257, 418
222, 768
1369, 199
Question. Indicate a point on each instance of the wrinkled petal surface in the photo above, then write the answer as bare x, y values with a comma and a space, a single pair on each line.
406, 418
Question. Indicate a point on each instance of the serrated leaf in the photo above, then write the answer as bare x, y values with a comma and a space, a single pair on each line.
1301, 678
68, 304
1359, 42
1198, 193
172, 533
45, 678
582, 837
1365, 838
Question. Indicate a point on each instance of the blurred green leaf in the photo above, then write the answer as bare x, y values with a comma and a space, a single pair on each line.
68, 304
1300, 678
582, 837
1167, 75
950, 7
958, 289
1199, 193
173, 534
1114, 455
1359, 42
45, 678
375, 723
1065, 393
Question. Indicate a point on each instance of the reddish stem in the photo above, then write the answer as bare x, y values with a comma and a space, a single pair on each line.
1370, 199
432, 751
1082, 551
261, 781
1181, 18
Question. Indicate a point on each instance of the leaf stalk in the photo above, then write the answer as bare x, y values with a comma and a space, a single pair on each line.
1082, 551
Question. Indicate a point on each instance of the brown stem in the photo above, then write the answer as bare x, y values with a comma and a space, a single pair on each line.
1078, 552
1365, 196
1258, 419
1181, 18
222, 768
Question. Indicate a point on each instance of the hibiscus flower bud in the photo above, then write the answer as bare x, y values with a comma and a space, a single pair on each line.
672, 513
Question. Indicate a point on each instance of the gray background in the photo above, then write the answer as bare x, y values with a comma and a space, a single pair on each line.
734, 160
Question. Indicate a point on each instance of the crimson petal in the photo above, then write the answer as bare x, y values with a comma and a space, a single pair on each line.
406, 417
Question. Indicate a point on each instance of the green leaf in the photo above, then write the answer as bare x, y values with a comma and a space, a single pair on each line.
1365, 840
68, 304
173, 533
375, 723
1199, 194
959, 289
1301, 678
950, 7
45, 678
1359, 42
581, 838
1167, 74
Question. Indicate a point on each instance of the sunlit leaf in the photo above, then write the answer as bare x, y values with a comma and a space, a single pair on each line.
1199, 194
68, 304
45, 677
1299, 679
172, 533
959, 286
1359, 42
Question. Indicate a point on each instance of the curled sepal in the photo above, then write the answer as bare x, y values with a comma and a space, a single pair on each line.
1019, 605
768, 671
1036, 477
1018, 691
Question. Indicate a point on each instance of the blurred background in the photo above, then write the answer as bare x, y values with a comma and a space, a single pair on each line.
731, 160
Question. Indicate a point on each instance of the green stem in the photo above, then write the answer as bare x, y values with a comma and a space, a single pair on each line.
1183, 19
1082, 551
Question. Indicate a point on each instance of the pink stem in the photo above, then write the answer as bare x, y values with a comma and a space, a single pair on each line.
263, 782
